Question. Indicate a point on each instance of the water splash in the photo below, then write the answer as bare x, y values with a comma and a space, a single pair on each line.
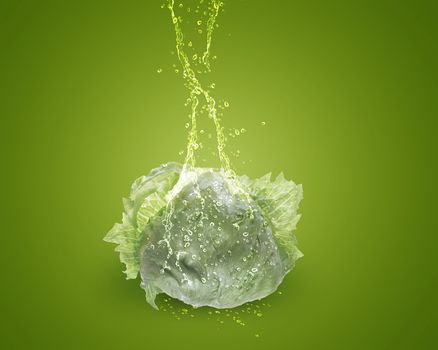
198, 95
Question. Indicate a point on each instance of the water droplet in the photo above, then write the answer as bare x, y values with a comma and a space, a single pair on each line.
159, 70
199, 31
243, 130
195, 57
203, 280
174, 20
226, 104
263, 123
187, 125
190, 44
199, 22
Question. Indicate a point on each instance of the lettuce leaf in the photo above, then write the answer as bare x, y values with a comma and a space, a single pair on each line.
146, 200
279, 201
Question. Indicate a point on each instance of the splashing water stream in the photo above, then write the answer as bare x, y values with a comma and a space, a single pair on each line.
196, 90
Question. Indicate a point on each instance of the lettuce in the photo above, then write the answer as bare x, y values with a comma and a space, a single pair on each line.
206, 238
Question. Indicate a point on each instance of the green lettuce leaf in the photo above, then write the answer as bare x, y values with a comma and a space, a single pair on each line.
279, 201
147, 198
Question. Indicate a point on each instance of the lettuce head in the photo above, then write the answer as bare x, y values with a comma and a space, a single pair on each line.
206, 238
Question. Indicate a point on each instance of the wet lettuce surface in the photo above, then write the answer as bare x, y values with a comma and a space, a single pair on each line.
206, 238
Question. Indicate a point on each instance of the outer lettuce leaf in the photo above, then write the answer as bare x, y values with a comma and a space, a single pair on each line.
279, 201
146, 200
127, 238
151, 293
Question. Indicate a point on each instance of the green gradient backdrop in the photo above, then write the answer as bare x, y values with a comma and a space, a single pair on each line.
347, 89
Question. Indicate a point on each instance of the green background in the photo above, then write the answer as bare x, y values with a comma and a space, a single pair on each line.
348, 91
